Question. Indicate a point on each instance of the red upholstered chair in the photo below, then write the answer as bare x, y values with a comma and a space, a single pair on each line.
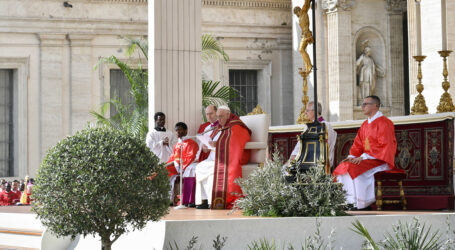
390, 175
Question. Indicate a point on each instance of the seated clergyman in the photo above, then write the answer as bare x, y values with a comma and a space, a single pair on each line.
309, 111
224, 164
373, 151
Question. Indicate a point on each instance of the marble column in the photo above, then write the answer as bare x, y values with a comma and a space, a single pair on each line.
81, 89
51, 80
412, 48
340, 56
175, 62
395, 10
282, 89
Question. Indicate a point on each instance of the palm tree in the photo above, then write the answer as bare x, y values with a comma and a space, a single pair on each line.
134, 117
211, 94
212, 49
130, 117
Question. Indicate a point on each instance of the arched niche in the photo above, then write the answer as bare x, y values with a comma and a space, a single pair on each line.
377, 45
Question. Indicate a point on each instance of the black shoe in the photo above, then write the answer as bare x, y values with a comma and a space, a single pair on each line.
191, 205
350, 207
204, 205
365, 208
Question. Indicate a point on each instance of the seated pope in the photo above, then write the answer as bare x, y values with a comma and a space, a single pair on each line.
184, 153
373, 151
215, 187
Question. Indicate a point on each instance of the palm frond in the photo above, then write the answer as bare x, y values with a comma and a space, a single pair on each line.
212, 48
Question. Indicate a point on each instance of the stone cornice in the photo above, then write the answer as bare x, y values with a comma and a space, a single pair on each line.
269, 4
119, 1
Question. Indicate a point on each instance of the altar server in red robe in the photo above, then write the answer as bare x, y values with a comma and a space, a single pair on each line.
189, 149
373, 151
6, 196
210, 114
15, 190
215, 176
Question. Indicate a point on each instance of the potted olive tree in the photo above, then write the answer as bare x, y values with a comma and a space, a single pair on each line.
101, 181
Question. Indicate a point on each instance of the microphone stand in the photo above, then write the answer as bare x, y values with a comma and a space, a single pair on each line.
181, 206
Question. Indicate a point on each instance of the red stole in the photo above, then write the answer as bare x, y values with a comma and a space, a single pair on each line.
203, 155
376, 139
229, 158
190, 148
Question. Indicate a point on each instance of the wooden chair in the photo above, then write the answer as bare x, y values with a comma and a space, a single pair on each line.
390, 175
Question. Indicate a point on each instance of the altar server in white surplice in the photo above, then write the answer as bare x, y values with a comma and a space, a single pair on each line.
160, 141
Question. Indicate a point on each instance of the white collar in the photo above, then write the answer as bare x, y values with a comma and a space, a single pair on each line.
375, 116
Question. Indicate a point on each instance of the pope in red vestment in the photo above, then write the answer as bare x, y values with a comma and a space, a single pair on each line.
229, 158
373, 151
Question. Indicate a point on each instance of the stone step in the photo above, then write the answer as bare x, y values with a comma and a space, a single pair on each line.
3, 247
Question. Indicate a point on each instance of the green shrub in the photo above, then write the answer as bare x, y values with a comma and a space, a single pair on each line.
95, 182
268, 194
412, 236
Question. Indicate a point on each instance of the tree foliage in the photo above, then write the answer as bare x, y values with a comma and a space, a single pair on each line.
96, 182
212, 49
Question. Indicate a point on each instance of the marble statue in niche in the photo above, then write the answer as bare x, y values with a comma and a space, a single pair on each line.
367, 71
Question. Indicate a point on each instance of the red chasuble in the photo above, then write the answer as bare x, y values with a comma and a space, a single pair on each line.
190, 148
203, 155
229, 158
376, 139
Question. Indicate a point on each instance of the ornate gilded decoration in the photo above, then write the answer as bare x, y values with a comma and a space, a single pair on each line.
306, 38
419, 107
257, 111
445, 103
305, 99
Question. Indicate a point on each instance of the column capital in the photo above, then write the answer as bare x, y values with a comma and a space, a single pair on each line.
396, 6
52, 39
337, 5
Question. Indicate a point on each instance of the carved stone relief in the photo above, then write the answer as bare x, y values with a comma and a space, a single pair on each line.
334, 5
396, 5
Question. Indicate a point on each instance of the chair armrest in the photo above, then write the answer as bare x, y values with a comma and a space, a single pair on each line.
256, 145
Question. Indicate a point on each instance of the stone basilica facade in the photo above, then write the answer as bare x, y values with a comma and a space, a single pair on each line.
48, 51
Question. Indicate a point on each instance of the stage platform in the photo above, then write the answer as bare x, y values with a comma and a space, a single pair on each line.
179, 226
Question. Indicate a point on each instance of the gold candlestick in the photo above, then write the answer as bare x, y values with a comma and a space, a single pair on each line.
445, 103
302, 117
419, 107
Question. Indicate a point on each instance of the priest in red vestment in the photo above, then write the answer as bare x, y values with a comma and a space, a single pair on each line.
185, 150
373, 151
216, 175
210, 114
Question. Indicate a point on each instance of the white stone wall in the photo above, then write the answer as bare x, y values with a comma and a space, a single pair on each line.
55, 49
256, 35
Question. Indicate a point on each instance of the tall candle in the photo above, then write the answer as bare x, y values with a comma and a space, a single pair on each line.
418, 32
443, 25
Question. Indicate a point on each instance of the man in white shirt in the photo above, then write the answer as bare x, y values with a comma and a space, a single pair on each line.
160, 141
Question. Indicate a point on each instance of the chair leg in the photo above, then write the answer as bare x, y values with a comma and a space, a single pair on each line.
403, 199
379, 196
